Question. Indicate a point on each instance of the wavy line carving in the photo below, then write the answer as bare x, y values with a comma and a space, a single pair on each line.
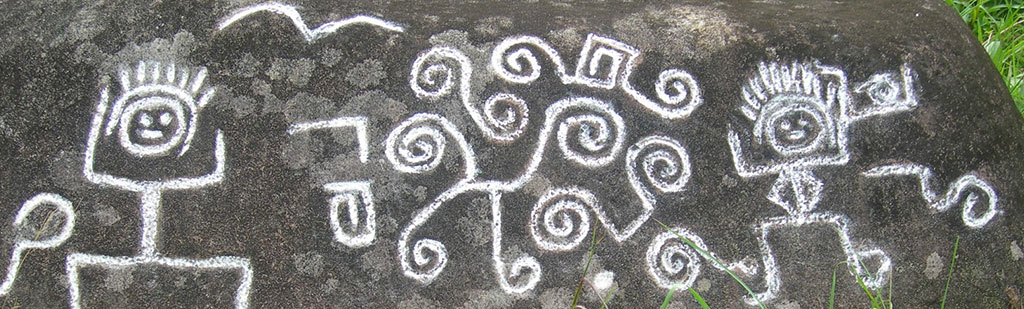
309, 35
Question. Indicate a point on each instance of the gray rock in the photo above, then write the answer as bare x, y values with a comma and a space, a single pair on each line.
390, 154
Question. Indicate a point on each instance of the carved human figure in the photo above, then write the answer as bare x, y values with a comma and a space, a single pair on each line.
800, 115
153, 123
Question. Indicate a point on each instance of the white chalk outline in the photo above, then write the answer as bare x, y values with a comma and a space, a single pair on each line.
810, 83
497, 66
310, 36
659, 259
660, 266
596, 48
410, 130
776, 84
624, 59
153, 85
823, 93
424, 248
356, 122
148, 76
806, 190
149, 150
75, 261
676, 160
499, 131
391, 151
519, 265
557, 202
587, 141
507, 122
840, 223
953, 194
352, 193
901, 98
149, 190
62, 205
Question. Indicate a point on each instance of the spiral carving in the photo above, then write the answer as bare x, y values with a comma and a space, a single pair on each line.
671, 262
592, 139
683, 86
508, 58
677, 92
432, 76
664, 163
973, 187
418, 144
520, 276
430, 258
507, 115
560, 220
967, 191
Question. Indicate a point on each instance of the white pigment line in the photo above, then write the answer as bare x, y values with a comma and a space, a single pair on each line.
520, 265
953, 195
359, 123
63, 206
296, 19
353, 194
76, 261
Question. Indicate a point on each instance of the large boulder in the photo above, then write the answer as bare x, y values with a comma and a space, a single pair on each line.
418, 155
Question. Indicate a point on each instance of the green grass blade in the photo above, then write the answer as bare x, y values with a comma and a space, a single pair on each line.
832, 290
594, 241
949, 277
668, 298
860, 282
718, 263
700, 300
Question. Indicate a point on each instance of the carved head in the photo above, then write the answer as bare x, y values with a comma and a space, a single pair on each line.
796, 117
157, 112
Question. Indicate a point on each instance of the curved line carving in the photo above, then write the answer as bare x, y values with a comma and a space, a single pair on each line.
309, 35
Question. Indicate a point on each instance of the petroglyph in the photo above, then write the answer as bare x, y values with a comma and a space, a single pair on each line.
605, 139
310, 35
155, 116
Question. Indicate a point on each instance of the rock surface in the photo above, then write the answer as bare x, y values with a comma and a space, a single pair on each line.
396, 155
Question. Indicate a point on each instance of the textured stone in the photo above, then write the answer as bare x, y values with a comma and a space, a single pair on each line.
784, 138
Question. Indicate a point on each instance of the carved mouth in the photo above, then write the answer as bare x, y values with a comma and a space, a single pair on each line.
796, 135
150, 134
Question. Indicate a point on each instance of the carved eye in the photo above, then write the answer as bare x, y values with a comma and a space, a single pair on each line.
784, 125
166, 118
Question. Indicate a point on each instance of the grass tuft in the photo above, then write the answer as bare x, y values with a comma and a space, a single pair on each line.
875, 298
